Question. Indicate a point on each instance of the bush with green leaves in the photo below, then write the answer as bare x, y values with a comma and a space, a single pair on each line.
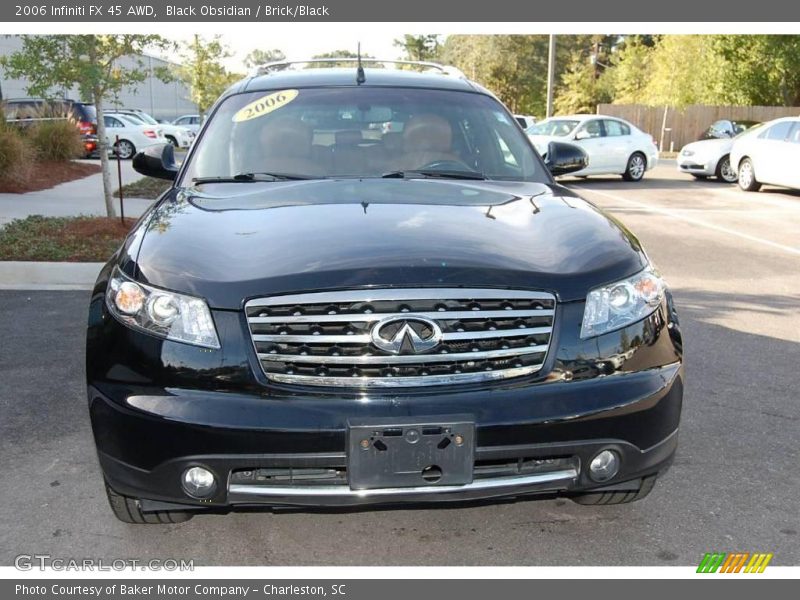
57, 140
16, 155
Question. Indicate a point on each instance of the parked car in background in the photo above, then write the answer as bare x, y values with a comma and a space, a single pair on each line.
178, 136
26, 112
525, 121
710, 156
771, 155
132, 133
726, 129
190, 122
614, 146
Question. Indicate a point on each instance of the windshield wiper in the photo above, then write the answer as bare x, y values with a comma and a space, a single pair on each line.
417, 173
250, 177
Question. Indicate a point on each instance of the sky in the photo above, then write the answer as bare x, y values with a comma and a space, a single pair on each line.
298, 45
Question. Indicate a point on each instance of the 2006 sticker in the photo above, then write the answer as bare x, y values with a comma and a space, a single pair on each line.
264, 106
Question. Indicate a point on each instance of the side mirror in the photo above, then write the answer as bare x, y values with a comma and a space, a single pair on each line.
582, 135
157, 161
565, 158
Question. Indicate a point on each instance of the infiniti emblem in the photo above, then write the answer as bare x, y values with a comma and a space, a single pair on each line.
407, 334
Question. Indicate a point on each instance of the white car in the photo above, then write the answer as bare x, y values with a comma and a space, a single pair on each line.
613, 145
769, 155
525, 121
710, 157
191, 122
133, 134
180, 137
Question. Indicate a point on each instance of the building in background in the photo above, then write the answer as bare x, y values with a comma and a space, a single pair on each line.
162, 100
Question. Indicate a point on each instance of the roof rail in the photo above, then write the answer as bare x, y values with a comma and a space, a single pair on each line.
283, 64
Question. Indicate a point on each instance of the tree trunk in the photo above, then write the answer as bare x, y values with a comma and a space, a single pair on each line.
103, 146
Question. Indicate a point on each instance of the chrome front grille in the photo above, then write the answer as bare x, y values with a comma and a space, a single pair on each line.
401, 337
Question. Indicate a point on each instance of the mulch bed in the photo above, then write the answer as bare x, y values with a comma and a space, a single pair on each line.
49, 174
69, 239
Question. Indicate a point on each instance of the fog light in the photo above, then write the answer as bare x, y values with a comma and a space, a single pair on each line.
604, 466
199, 482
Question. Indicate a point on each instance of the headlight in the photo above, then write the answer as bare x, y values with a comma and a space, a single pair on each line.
159, 312
619, 304
687, 153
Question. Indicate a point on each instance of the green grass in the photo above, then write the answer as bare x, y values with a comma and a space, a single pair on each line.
146, 187
70, 239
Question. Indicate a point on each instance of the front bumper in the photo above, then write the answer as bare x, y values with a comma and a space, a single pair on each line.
146, 442
697, 166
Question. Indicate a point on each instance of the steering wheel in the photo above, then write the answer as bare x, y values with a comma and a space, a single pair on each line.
446, 165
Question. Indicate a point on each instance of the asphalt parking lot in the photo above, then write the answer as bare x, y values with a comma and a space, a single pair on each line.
733, 260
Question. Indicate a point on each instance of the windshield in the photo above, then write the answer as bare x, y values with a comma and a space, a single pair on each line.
363, 132
554, 127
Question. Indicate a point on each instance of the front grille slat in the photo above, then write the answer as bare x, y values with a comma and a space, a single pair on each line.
475, 334
370, 318
407, 359
365, 339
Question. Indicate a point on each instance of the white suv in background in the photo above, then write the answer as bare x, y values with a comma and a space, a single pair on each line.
190, 122
614, 146
772, 156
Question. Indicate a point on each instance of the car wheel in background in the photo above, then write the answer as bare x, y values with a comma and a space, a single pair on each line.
725, 171
172, 140
637, 165
747, 176
129, 510
125, 149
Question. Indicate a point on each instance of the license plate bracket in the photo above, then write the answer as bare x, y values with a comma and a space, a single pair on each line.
396, 453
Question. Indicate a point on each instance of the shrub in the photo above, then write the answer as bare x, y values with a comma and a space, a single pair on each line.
16, 156
56, 140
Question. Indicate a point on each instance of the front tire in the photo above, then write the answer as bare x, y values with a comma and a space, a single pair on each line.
725, 171
606, 498
637, 165
125, 149
129, 510
747, 176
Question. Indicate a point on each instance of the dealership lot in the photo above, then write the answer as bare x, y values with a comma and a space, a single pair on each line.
733, 260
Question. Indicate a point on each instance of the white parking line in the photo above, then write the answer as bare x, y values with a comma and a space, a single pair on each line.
675, 215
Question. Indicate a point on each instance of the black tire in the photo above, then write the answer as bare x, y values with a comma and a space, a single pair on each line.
637, 165
747, 176
725, 172
605, 498
128, 510
125, 149
172, 140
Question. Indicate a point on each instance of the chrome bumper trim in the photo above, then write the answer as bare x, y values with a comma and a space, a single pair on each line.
343, 491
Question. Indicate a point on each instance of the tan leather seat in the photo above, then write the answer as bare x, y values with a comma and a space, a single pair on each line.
427, 138
286, 147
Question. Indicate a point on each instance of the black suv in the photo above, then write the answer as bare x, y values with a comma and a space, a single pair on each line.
323, 310
25, 112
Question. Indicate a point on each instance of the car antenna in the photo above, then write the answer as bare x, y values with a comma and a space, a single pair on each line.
360, 76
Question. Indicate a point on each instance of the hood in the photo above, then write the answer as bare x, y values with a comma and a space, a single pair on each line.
234, 241
716, 147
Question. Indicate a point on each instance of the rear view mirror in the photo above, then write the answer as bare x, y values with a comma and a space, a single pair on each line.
565, 158
582, 135
157, 161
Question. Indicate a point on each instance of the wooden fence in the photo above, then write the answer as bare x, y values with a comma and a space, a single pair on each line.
684, 125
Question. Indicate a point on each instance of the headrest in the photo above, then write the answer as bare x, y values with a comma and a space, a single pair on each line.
428, 132
286, 137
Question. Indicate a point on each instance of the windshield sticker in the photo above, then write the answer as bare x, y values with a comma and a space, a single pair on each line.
264, 106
